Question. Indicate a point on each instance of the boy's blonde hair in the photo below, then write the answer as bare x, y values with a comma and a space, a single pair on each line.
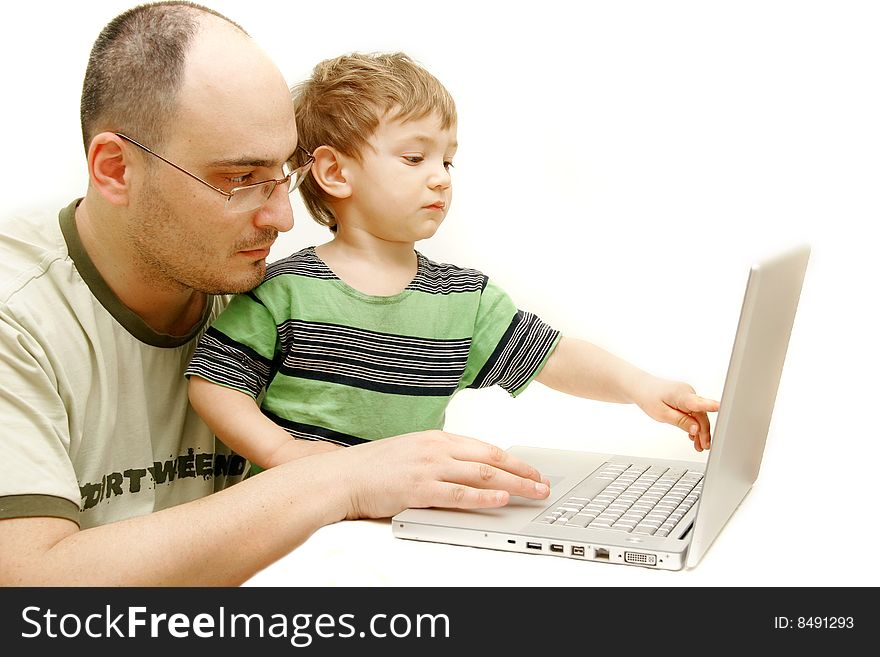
341, 105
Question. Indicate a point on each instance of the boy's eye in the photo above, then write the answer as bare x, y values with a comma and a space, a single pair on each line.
448, 165
413, 159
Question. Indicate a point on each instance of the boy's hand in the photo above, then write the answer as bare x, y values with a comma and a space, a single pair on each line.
676, 403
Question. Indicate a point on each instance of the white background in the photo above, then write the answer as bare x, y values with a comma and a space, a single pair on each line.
620, 167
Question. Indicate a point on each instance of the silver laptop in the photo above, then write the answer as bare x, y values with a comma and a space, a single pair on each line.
644, 511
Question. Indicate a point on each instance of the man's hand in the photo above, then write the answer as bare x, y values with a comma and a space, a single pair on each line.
431, 468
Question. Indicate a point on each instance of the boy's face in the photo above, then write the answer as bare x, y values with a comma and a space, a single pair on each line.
401, 188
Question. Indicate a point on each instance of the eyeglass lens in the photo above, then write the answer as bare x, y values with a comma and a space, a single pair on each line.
245, 199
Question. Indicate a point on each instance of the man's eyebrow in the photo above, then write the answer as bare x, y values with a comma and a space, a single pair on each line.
246, 161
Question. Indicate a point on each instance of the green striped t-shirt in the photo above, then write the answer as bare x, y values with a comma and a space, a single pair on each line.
339, 365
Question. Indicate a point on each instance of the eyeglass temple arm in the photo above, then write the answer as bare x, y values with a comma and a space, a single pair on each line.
181, 169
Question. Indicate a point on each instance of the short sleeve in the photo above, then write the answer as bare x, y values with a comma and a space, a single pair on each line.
238, 349
509, 346
38, 474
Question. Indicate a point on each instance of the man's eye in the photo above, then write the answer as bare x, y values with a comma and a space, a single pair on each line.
243, 179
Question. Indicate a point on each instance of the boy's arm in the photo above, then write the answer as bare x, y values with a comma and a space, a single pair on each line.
580, 368
235, 418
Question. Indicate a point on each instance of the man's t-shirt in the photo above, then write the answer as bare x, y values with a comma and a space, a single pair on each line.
96, 423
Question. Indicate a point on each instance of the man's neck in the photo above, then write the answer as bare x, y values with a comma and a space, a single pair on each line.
165, 306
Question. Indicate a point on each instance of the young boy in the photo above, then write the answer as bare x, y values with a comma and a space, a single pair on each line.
363, 337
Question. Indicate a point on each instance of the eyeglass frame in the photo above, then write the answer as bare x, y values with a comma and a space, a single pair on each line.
304, 169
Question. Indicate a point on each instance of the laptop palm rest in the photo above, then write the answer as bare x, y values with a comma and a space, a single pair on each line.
564, 472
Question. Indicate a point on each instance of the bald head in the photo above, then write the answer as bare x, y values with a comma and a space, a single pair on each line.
231, 92
137, 67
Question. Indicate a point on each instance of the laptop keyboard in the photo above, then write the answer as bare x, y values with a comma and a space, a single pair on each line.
639, 499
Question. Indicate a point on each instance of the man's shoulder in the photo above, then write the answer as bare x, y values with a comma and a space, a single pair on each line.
30, 242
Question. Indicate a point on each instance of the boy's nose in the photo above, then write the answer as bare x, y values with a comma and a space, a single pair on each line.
441, 178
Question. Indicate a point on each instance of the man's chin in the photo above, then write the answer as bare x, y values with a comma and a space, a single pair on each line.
244, 281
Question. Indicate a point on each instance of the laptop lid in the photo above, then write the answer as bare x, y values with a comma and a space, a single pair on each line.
769, 306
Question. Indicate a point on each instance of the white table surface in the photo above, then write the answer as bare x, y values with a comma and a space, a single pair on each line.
754, 549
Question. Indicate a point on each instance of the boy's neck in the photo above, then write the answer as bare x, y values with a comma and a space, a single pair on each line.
370, 265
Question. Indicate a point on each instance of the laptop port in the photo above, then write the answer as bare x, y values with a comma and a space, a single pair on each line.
640, 558
533, 546
556, 547
601, 553
577, 550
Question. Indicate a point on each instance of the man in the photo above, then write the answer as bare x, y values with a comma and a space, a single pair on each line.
110, 477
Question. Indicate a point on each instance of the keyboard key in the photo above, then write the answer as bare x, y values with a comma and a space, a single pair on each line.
580, 520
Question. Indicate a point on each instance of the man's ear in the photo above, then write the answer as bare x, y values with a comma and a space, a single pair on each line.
329, 170
109, 168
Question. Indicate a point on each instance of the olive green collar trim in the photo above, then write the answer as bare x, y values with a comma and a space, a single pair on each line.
129, 320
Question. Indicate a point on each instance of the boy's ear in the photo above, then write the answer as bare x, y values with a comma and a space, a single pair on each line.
329, 172
109, 168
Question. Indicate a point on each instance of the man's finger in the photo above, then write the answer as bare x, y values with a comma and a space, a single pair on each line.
458, 496
476, 451
482, 475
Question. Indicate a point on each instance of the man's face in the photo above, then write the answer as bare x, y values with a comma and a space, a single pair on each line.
402, 188
197, 244
234, 126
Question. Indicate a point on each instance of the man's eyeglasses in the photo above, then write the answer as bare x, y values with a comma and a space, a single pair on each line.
246, 198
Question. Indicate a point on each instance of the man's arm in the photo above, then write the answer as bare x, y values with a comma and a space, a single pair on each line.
225, 538
580, 368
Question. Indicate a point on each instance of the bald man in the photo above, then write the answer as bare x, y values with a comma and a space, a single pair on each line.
110, 478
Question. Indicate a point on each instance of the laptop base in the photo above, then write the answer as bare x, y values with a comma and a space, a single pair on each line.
593, 551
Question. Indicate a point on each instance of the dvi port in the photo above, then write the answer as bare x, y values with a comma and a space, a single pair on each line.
640, 558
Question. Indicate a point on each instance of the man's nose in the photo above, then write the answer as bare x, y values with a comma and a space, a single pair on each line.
276, 212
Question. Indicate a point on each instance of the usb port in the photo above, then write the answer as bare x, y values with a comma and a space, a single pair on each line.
577, 550
533, 546
556, 547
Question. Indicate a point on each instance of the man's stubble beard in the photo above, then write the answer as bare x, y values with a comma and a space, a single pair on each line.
173, 257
